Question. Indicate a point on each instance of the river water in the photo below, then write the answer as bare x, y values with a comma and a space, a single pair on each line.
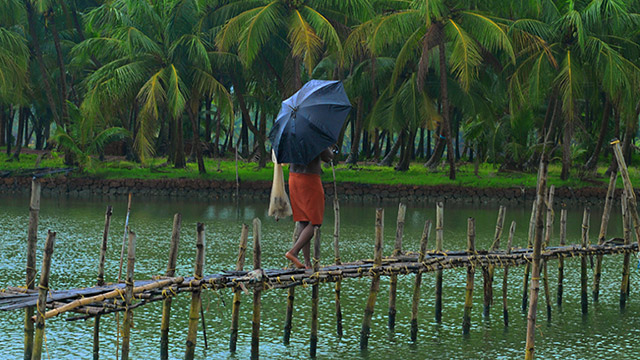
605, 333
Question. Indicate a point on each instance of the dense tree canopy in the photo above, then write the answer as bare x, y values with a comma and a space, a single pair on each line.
185, 79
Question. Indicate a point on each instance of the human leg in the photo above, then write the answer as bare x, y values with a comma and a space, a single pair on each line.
302, 243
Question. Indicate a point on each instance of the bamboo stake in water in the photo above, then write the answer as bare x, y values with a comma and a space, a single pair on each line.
291, 293
397, 250
257, 292
196, 295
315, 292
439, 240
468, 297
32, 242
375, 282
488, 271
626, 221
603, 232
235, 312
103, 252
127, 321
171, 270
416, 289
527, 268
547, 240
505, 308
124, 238
631, 195
336, 249
584, 301
563, 238
42, 296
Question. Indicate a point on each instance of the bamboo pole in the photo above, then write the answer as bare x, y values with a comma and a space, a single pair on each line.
547, 241
584, 301
291, 293
505, 308
603, 232
631, 195
527, 268
468, 297
32, 242
257, 292
124, 238
418, 282
127, 321
315, 291
100, 282
626, 221
196, 295
535, 268
375, 282
439, 240
488, 272
336, 250
235, 312
42, 296
563, 238
397, 250
171, 270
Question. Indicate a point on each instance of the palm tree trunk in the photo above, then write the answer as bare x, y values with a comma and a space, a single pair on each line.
193, 116
616, 134
420, 152
179, 158
593, 160
380, 142
436, 154
388, 159
261, 143
208, 120
405, 159
50, 16
445, 109
355, 137
9, 129
3, 126
216, 145
21, 121
566, 150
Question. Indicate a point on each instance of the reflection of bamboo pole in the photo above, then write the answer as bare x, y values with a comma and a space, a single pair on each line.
171, 270
547, 240
32, 242
468, 297
315, 291
375, 282
196, 295
527, 268
416, 289
488, 272
603, 232
235, 312
257, 292
291, 293
397, 250
103, 252
626, 221
439, 240
336, 249
505, 309
127, 321
563, 237
584, 300
42, 296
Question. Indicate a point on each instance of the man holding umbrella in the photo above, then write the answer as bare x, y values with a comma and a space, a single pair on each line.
309, 122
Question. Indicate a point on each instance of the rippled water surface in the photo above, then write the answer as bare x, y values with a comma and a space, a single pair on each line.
604, 333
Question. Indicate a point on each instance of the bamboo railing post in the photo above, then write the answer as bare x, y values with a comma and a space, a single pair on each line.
535, 267
631, 195
42, 296
336, 250
397, 250
626, 221
375, 282
100, 282
488, 271
468, 297
584, 300
124, 238
196, 295
315, 292
257, 292
235, 312
527, 268
291, 293
416, 289
505, 308
439, 240
547, 241
171, 271
603, 232
127, 321
32, 242
563, 238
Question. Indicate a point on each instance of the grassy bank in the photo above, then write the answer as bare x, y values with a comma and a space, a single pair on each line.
366, 173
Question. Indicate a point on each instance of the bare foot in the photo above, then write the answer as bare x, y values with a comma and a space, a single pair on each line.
294, 260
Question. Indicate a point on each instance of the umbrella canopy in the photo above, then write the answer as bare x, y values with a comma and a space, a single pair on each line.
309, 121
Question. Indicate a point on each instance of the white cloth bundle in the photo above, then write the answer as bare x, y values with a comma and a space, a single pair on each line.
279, 205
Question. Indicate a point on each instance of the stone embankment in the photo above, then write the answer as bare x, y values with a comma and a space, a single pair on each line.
259, 190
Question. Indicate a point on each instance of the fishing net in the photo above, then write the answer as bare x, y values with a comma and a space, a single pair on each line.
279, 206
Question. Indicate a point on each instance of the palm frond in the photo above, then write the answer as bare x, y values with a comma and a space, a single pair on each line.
305, 43
569, 84
324, 29
465, 54
489, 33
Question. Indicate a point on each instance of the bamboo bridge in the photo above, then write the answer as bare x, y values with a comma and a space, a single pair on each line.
128, 294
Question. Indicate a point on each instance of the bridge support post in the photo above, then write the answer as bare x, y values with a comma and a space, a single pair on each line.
375, 283
397, 250
416, 288
468, 297
235, 311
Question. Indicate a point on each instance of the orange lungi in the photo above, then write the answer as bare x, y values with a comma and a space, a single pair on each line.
307, 197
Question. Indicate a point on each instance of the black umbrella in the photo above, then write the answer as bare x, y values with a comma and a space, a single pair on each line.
309, 121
